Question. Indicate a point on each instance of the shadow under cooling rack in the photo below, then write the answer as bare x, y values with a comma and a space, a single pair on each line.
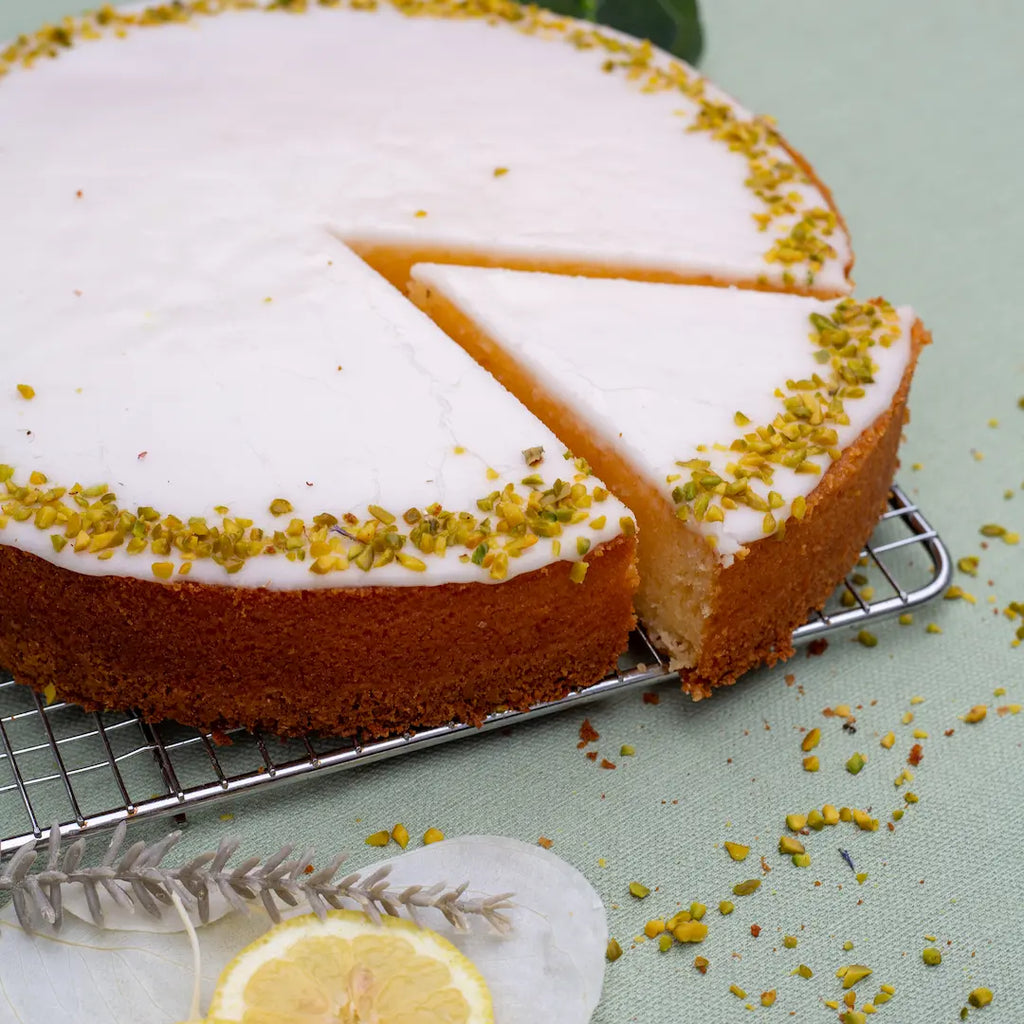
90, 771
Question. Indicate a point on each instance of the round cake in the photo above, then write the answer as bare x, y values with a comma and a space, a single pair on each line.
249, 482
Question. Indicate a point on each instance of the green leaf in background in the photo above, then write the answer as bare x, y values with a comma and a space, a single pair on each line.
674, 25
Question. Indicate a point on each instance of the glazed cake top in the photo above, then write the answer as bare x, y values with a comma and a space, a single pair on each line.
731, 402
358, 120
309, 386
176, 203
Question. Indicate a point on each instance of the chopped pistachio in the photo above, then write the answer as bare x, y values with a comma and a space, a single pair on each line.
789, 845
864, 821
811, 763
726, 907
432, 835
381, 838
613, 951
980, 997
796, 822
867, 639
400, 834
853, 974
931, 956
811, 740
976, 714
790, 941
855, 763
665, 942
747, 887
639, 890
736, 850
690, 931
26, 391
737, 992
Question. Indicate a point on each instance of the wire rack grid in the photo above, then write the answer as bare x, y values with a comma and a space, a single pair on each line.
83, 772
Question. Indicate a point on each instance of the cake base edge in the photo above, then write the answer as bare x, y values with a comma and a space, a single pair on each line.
366, 661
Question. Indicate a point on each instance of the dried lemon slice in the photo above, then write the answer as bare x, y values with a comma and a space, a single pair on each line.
346, 969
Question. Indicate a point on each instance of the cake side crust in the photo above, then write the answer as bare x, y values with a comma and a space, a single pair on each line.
395, 261
759, 600
372, 661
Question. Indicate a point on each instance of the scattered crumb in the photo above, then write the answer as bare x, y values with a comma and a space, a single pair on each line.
588, 734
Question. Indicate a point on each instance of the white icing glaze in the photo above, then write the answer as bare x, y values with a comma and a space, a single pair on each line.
308, 121
236, 401
655, 370
154, 190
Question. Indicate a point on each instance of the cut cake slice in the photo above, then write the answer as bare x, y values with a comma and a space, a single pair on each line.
753, 435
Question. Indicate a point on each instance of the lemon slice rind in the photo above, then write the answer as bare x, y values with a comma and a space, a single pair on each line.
228, 1004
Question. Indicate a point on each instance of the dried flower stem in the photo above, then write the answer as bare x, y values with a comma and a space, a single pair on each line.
137, 878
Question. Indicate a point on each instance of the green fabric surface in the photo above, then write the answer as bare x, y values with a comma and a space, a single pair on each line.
910, 113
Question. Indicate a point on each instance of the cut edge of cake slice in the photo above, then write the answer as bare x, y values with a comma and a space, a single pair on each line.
716, 612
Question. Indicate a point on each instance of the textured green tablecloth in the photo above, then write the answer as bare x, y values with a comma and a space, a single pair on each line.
911, 113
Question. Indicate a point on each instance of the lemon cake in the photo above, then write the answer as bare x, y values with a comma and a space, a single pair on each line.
753, 434
247, 481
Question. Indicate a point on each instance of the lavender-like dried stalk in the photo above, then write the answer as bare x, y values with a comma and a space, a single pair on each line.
137, 879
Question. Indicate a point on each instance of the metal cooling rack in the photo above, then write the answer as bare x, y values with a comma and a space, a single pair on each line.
61, 764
